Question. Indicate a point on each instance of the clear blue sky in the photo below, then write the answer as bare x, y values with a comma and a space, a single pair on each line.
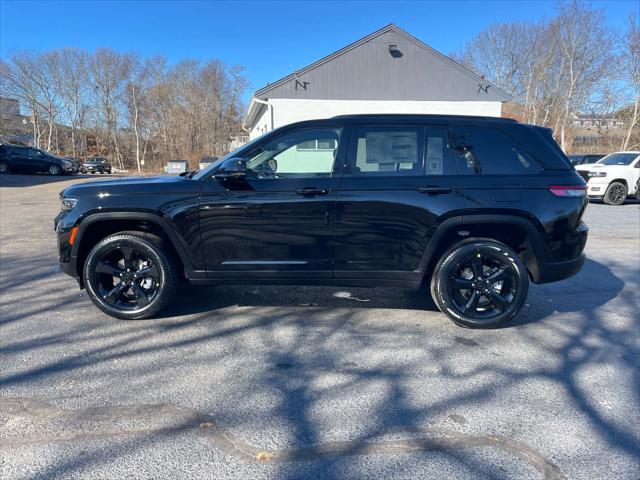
270, 39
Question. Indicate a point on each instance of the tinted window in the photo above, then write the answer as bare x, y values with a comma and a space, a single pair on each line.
592, 158
380, 151
618, 159
299, 154
489, 151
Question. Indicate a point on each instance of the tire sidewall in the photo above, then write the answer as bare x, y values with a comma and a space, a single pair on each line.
606, 198
439, 287
146, 247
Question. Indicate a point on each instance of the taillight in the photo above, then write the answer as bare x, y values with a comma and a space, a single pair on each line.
568, 190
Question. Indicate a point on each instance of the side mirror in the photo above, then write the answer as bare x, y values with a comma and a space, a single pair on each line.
233, 169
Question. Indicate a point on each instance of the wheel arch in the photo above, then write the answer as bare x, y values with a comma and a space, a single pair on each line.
518, 233
98, 226
620, 180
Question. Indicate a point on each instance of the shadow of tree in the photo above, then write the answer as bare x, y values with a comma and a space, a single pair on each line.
325, 366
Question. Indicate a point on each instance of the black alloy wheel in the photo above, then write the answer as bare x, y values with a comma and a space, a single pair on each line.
480, 284
129, 276
616, 194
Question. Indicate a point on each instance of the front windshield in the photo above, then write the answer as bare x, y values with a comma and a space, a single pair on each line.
235, 153
618, 159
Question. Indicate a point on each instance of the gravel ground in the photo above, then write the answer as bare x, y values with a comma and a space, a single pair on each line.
289, 383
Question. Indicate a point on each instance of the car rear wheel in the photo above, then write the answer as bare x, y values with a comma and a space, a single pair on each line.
480, 284
130, 276
4, 167
54, 169
616, 194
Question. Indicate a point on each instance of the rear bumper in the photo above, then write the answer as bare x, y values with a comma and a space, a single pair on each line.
553, 272
572, 248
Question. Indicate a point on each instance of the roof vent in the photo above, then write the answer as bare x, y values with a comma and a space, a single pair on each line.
395, 51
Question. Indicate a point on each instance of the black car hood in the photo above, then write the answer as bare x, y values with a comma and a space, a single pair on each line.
131, 186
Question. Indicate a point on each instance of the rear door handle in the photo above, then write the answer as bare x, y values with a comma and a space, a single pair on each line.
434, 190
311, 191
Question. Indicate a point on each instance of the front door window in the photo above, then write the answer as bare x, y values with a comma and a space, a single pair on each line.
308, 153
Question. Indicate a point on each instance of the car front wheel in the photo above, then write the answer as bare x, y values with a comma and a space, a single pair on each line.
480, 284
616, 194
130, 276
4, 167
54, 169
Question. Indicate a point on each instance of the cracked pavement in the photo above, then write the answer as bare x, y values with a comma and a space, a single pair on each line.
308, 382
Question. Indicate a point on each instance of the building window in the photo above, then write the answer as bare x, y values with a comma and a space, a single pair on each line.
318, 145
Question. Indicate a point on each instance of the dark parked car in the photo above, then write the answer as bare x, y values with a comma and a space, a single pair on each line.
585, 159
96, 165
19, 159
76, 164
472, 207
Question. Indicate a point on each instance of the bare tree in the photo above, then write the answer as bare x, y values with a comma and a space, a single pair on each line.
554, 68
131, 109
71, 78
630, 68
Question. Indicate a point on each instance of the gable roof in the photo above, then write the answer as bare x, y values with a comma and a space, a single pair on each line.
485, 90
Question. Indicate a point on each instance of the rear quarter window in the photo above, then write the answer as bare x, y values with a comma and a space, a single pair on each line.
489, 151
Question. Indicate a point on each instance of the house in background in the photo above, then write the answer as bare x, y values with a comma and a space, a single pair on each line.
388, 71
14, 127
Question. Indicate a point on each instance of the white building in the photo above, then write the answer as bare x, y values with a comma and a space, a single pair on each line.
388, 71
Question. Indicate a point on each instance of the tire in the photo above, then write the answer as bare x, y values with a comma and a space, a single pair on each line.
110, 276
616, 194
54, 169
462, 286
4, 167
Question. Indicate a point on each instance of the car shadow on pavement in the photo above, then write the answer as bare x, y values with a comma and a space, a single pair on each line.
572, 295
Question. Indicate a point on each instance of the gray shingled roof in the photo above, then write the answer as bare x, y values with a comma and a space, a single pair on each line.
365, 70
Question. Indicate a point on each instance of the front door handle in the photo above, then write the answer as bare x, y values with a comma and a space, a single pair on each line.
434, 190
311, 191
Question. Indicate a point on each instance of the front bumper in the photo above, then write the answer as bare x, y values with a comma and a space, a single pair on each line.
66, 259
596, 187
92, 168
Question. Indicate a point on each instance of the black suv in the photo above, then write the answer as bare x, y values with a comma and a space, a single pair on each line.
585, 159
19, 159
472, 207
96, 165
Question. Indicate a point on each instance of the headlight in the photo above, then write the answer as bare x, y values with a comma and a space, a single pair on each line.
597, 174
68, 203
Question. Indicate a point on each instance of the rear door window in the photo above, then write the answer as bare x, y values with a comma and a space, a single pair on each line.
489, 151
386, 151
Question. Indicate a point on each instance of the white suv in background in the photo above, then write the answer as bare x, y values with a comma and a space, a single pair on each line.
614, 178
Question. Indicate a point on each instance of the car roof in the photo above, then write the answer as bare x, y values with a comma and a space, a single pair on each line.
419, 117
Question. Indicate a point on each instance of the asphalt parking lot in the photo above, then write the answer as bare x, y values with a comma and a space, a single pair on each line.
287, 382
